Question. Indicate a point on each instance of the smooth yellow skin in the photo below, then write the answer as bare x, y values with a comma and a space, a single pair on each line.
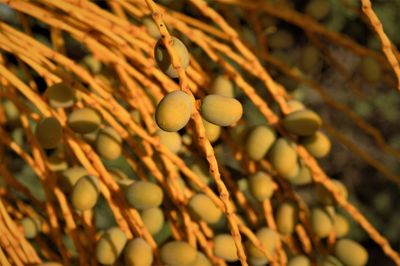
91, 137
318, 145
299, 260
31, 227
49, 133
295, 106
286, 218
259, 141
340, 225
212, 131
283, 158
61, 95
92, 64
187, 139
144, 195
138, 253
304, 177
110, 246
224, 247
220, 110
268, 239
70, 176
172, 140
281, 39
85, 193
178, 253
164, 61
151, 27
257, 261
222, 86
318, 9
302, 123
321, 222
174, 111
261, 186
330, 261
136, 116
203, 206
153, 219
350, 252
293, 173
84, 120
108, 143
201, 260
12, 113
